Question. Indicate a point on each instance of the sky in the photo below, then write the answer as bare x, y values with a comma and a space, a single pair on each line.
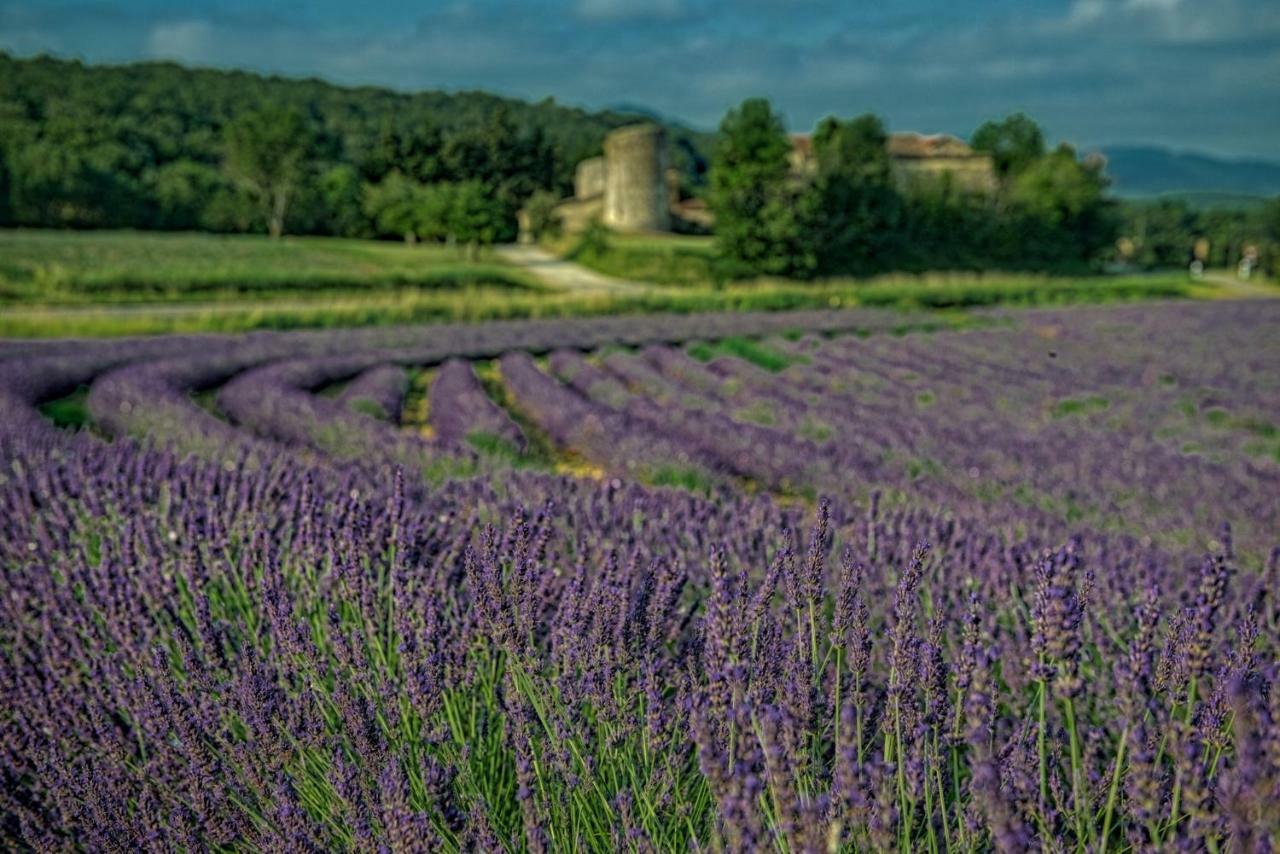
1200, 75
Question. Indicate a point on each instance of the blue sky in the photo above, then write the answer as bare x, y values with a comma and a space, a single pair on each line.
1189, 74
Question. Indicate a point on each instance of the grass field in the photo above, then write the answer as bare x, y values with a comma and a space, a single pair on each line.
82, 268
678, 260
101, 284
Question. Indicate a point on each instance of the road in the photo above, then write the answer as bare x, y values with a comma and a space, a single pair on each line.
565, 275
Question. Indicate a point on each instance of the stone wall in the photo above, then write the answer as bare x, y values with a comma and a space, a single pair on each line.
588, 178
635, 194
972, 173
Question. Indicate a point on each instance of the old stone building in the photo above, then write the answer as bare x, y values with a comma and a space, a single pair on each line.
916, 160
627, 188
632, 187
637, 195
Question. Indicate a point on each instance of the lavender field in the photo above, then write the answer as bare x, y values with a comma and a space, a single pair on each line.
810, 581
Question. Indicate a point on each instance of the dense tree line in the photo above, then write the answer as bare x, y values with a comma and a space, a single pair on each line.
1050, 210
156, 145
1168, 232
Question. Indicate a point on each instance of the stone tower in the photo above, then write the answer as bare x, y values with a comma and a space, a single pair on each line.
635, 192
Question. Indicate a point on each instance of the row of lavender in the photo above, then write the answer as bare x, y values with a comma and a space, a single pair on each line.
198, 656
1141, 421
1096, 417
279, 643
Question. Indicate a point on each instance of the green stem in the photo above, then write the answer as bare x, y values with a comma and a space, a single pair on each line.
1177, 780
1115, 787
1077, 793
1040, 746
837, 710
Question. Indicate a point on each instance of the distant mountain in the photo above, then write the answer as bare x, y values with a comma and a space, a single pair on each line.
1151, 171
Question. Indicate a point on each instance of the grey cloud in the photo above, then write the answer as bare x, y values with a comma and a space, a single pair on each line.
1179, 72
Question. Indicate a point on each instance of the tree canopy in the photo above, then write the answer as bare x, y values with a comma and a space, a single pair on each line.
157, 145
849, 217
1014, 142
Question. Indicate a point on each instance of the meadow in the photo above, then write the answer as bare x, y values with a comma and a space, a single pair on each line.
112, 283
789, 580
94, 268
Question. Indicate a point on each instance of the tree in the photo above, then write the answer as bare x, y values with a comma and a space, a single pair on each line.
5, 214
477, 216
1162, 233
857, 210
1014, 143
748, 190
63, 185
267, 150
182, 190
856, 148
1271, 232
463, 212
1061, 211
543, 221
394, 206
100, 146
339, 199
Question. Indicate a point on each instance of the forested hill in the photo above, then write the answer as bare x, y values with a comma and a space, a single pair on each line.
145, 144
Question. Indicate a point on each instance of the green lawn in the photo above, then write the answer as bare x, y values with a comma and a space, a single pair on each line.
88, 267
676, 260
97, 284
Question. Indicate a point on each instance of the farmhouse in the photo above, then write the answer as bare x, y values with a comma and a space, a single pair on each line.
916, 160
632, 187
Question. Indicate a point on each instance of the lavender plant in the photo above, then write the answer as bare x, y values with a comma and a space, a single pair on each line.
246, 620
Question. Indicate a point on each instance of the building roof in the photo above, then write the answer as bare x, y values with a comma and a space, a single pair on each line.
802, 144
931, 145
901, 145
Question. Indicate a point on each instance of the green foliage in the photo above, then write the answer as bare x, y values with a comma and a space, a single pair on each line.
498, 447
596, 241
114, 269
846, 216
543, 220
1271, 230
757, 229
855, 216
1080, 406
395, 205
1060, 207
680, 260
1161, 233
688, 478
467, 212
477, 216
469, 299
182, 191
1014, 143
71, 411
144, 145
364, 406
267, 151
855, 148
758, 354
340, 192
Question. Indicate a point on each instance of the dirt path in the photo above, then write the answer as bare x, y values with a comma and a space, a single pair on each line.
1235, 288
565, 275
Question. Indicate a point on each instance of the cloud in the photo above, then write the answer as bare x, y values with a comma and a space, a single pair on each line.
1184, 73
1173, 22
187, 41
614, 10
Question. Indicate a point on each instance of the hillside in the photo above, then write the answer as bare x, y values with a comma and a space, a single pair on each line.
85, 145
1150, 171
